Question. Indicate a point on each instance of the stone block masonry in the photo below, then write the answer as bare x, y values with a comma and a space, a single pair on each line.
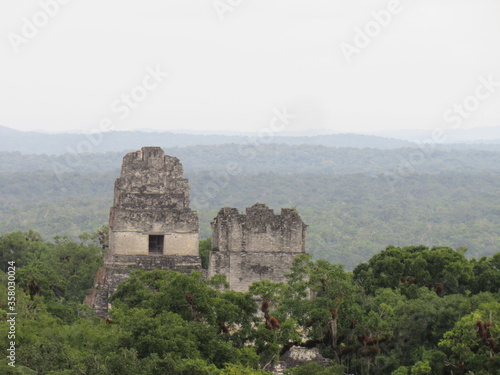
151, 224
152, 227
255, 246
152, 199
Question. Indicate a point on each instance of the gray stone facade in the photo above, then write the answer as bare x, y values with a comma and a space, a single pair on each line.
151, 224
258, 245
152, 199
298, 356
152, 227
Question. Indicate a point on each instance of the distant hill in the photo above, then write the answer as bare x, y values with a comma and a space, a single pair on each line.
56, 144
8, 131
485, 135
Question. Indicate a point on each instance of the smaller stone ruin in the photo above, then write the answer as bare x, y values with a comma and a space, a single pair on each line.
258, 245
153, 227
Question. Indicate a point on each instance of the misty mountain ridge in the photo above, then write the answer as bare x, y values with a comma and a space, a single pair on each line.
31, 142
486, 135
59, 143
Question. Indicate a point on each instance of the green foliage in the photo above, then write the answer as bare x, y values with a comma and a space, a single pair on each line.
63, 269
470, 348
440, 269
205, 246
313, 368
186, 295
451, 200
486, 274
20, 247
421, 368
369, 322
401, 371
238, 369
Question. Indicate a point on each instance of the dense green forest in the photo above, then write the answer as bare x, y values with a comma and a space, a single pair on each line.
279, 158
32, 142
350, 217
356, 201
406, 311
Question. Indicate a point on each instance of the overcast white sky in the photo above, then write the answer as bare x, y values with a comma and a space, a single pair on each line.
230, 74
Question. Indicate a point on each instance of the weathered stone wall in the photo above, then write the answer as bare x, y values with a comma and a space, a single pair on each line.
255, 246
244, 268
259, 229
151, 199
137, 243
298, 356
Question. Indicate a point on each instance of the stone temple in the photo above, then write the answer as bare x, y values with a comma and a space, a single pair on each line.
255, 246
150, 224
152, 227
151, 214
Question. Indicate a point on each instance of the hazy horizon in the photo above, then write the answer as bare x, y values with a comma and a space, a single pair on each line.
350, 67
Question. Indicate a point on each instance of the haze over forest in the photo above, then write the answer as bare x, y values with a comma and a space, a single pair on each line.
391, 225
358, 193
377, 121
